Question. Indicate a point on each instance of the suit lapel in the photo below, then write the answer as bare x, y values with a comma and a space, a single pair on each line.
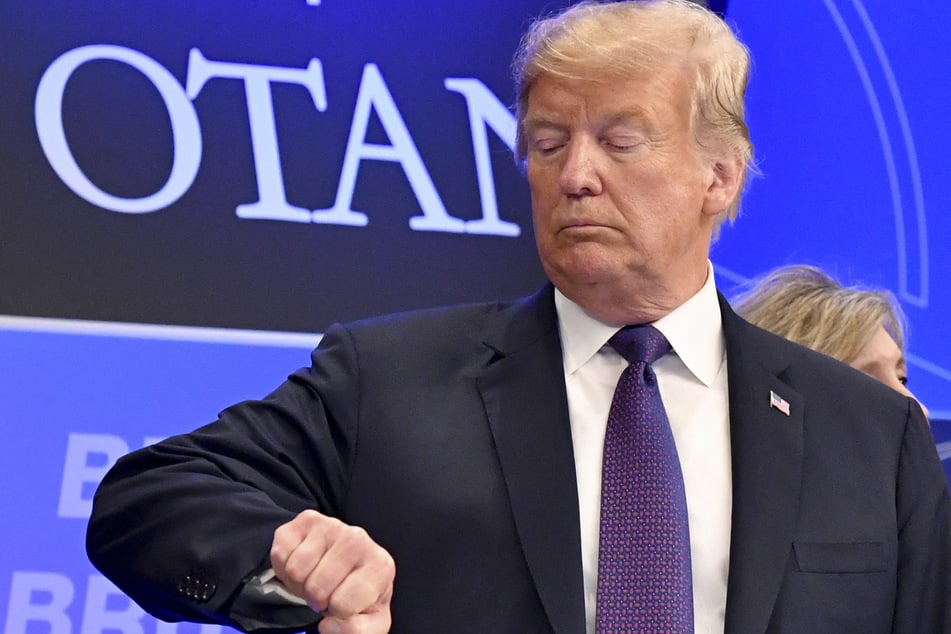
523, 391
767, 448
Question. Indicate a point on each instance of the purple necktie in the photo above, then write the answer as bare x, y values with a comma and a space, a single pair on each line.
644, 581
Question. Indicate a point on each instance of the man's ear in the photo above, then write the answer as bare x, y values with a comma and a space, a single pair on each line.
724, 186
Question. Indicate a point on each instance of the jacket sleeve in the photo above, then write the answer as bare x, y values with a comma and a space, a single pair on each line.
181, 525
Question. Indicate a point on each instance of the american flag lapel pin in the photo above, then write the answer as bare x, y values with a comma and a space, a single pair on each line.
778, 402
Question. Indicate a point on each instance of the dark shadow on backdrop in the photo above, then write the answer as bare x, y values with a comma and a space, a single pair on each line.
717, 6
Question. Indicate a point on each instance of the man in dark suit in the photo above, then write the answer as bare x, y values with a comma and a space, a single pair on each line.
440, 471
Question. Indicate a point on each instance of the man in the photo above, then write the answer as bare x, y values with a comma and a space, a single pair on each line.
441, 471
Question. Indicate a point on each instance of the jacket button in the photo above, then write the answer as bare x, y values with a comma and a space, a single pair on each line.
207, 590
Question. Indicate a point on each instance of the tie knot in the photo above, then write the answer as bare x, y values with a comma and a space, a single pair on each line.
640, 343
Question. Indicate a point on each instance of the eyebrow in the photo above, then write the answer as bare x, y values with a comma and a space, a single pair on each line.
536, 122
636, 115
884, 364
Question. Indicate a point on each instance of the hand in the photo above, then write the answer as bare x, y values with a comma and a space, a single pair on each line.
338, 570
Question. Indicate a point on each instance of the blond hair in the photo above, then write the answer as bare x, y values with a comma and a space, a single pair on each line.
592, 41
808, 306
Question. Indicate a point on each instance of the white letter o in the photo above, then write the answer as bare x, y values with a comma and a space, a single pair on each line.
186, 133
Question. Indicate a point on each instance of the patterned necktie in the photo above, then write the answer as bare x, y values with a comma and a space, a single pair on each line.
644, 580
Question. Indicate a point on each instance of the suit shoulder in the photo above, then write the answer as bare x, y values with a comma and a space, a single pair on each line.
459, 327
426, 322
811, 371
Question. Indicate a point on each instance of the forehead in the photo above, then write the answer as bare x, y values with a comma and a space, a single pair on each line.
647, 97
881, 348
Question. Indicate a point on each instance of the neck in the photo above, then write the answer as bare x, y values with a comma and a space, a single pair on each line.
636, 301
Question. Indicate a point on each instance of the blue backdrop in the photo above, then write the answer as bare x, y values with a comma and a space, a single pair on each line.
193, 193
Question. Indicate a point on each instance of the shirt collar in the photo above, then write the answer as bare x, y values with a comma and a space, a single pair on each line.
694, 330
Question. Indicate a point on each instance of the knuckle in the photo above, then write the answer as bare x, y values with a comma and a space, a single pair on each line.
298, 569
341, 606
389, 565
294, 572
280, 536
316, 593
307, 518
277, 558
355, 534
279, 554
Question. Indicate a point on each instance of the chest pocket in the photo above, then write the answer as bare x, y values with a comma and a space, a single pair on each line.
840, 557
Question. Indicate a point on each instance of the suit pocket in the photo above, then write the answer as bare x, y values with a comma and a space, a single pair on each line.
840, 557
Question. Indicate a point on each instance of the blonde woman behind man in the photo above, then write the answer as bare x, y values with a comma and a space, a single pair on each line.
863, 327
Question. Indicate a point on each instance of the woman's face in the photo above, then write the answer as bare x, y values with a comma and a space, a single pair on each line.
882, 359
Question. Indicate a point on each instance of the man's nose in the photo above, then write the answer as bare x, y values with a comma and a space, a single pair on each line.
580, 173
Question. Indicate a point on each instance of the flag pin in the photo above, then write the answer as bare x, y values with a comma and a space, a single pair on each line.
777, 401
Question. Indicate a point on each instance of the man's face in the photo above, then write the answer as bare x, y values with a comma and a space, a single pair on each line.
618, 187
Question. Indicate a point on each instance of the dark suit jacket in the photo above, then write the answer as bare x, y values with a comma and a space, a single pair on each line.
445, 434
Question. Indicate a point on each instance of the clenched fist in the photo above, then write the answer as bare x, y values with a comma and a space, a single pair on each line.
338, 569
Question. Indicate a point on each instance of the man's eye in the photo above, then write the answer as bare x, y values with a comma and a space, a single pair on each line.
623, 145
548, 146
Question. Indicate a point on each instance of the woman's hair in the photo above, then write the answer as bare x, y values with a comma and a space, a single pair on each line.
808, 306
593, 41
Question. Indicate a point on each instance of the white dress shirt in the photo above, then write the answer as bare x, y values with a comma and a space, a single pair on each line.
693, 384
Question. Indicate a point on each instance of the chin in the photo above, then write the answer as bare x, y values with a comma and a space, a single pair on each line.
582, 264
